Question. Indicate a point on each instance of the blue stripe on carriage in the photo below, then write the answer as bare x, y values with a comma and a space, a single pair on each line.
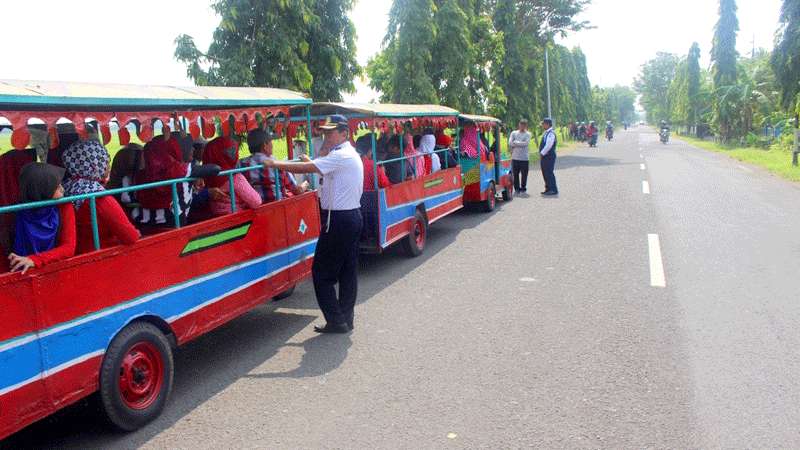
395, 214
64, 343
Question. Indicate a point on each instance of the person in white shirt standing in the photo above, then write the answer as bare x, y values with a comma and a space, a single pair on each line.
519, 143
547, 149
336, 255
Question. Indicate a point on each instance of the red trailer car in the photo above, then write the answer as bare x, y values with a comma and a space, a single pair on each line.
402, 211
108, 320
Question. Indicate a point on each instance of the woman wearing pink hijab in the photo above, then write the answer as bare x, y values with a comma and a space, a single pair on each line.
414, 157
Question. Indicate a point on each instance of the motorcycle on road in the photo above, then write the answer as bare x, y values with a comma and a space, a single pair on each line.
664, 135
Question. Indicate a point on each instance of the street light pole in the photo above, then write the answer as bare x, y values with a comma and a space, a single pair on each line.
547, 80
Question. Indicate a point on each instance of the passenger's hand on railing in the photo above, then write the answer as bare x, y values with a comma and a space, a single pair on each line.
206, 170
304, 158
199, 184
269, 163
304, 186
20, 263
218, 195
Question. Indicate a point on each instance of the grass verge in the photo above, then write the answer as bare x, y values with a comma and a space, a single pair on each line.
774, 160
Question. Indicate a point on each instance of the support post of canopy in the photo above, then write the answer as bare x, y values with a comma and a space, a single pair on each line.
93, 214
374, 160
176, 211
310, 143
232, 193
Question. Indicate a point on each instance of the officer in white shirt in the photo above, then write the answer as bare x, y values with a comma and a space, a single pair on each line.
336, 255
547, 149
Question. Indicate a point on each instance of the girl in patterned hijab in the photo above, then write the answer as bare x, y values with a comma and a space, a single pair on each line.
87, 169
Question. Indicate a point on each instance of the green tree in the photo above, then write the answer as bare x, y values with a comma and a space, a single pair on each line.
450, 73
723, 60
411, 32
307, 46
786, 56
653, 85
693, 84
583, 88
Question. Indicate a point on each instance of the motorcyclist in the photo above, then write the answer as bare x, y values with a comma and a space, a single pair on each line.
609, 130
664, 131
591, 133
582, 131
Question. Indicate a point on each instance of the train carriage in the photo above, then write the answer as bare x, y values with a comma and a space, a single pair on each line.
108, 320
403, 211
486, 172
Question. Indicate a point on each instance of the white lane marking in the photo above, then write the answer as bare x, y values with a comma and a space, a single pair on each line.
645, 187
641, 166
657, 278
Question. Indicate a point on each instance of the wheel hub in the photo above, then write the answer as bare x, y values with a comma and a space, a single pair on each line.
141, 376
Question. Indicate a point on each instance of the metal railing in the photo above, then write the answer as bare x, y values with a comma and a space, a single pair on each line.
173, 183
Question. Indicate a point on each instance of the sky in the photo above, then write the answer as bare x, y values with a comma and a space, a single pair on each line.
111, 41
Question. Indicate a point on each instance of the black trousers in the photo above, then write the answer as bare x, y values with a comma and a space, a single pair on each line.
548, 165
336, 261
520, 171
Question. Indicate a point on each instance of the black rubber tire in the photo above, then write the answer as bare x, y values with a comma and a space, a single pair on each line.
116, 412
285, 294
508, 194
489, 204
410, 245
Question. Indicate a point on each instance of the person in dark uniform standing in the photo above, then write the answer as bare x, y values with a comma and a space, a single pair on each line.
547, 149
336, 255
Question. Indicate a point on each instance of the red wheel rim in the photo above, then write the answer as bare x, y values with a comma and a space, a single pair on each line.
419, 234
141, 376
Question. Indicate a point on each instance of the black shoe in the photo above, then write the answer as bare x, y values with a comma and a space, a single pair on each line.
549, 193
340, 328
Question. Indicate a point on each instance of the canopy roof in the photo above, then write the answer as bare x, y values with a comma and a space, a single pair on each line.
479, 119
382, 110
50, 95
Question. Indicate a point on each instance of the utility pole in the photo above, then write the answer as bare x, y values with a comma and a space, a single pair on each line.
547, 80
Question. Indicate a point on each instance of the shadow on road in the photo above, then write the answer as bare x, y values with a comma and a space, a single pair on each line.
322, 354
211, 363
572, 161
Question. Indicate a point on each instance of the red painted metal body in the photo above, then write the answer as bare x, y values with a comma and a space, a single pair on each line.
87, 299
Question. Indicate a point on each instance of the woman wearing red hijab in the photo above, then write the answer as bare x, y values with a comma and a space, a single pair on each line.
164, 159
224, 152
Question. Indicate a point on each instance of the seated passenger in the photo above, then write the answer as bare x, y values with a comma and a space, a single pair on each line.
469, 143
224, 152
427, 145
67, 135
415, 158
394, 169
87, 163
43, 235
11, 164
127, 162
163, 160
263, 181
444, 142
364, 148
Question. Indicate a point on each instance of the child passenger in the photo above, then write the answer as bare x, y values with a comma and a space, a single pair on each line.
47, 234
263, 181
87, 164
224, 152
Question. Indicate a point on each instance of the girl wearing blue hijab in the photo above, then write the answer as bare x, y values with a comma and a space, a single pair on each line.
46, 234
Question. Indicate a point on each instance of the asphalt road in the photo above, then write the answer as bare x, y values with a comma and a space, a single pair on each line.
536, 326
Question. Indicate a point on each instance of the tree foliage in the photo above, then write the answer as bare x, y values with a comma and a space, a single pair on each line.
305, 45
485, 56
786, 57
724, 70
653, 85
